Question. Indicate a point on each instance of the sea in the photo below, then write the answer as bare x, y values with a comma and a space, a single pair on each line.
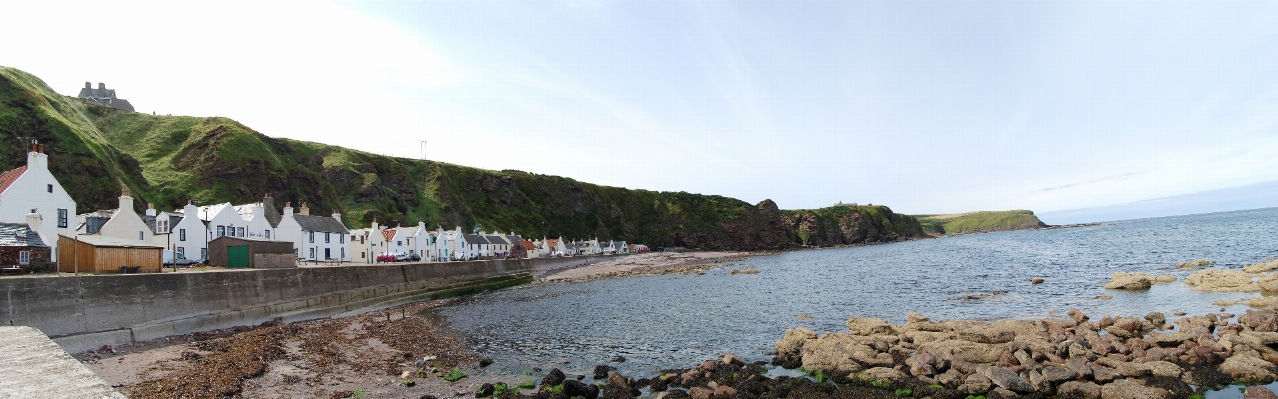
675, 321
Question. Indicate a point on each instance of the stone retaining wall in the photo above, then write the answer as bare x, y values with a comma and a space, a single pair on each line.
84, 312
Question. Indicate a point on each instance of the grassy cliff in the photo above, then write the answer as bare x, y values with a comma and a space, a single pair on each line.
979, 222
164, 160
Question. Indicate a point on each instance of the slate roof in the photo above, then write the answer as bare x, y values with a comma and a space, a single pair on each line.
474, 239
323, 224
19, 235
10, 176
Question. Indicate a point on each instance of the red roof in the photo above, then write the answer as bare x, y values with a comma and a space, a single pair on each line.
9, 177
388, 234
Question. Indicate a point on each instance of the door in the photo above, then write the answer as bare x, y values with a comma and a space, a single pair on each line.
237, 256
327, 254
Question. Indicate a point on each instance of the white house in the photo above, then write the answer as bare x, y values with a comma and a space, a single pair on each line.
447, 245
32, 190
122, 223
360, 249
222, 220
315, 238
188, 234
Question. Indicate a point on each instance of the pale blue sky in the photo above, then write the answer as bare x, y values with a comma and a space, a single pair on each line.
928, 107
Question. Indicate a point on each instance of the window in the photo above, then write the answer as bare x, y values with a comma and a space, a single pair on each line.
221, 231
62, 218
204, 253
240, 230
140, 236
343, 252
267, 234
399, 243
361, 239
312, 237
24, 257
312, 253
181, 252
326, 238
50, 188
361, 255
341, 238
181, 234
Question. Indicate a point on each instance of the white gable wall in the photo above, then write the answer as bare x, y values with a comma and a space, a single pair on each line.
31, 191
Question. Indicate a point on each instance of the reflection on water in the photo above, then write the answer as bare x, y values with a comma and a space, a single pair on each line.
676, 321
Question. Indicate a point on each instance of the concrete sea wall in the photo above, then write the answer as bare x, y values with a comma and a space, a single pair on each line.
85, 312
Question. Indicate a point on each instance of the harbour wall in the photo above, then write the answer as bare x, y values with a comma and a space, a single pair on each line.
87, 311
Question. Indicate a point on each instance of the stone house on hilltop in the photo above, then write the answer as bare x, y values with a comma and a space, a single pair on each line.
104, 97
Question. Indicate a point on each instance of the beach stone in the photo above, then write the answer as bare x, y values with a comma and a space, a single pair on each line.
1104, 374
733, 359
1036, 280
1156, 318
870, 326
1164, 279
1129, 369
1056, 374
615, 379
484, 390
1005, 378
883, 374
950, 378
1077, 315
793, 340
1258, 392
1078, 390
601, 371
724, 391
835, 354
1132, 389
1246, 368
967, 351
574, 388
708, 365
978, 382
1218, 280
1259, 320
554, 377
1000, 393
1163, 368
1129, 281
985, 334
700, 393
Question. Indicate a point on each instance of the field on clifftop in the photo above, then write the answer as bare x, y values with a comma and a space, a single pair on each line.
978, 222
95, 151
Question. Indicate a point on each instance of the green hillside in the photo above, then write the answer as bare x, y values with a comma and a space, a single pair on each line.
979, 222
94, 151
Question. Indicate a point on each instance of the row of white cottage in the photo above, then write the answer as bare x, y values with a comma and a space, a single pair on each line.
29, 193
440, 245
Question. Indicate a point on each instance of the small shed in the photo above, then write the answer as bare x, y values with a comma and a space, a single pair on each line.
253, 252
100, 254
20, 246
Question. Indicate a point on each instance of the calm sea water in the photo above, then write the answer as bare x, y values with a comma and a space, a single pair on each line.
676, 321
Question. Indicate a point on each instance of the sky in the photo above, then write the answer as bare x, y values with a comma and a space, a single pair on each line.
925, 106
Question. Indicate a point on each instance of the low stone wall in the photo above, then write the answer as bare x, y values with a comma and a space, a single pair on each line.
84, 312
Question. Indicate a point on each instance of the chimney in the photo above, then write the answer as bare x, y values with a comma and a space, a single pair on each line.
34, 221
88, 85
126, 202
338, 216
304, 210
36, 159
288, 209
189, 211
101, 86
268, 201
375, 224
150, 209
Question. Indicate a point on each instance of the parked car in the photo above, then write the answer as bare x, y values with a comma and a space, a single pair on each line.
413, 258
180, 260
387, 257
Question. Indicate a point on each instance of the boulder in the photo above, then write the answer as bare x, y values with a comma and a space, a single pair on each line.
1246, 368
1197, 263
1005, 378
1261, 267
733, 359
834, 353
790, 344
1132, 389
1217, 280
883, 374
1129, 281
1077, 315
870, 326
1258, 392
950, 378
1164, 369
965, 350
1078, 390
1259, 320
976, 383
1164, 279
985, 334
1036, 280
554, 377
1156, 318
1000, 393
1056, 374
700, 393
